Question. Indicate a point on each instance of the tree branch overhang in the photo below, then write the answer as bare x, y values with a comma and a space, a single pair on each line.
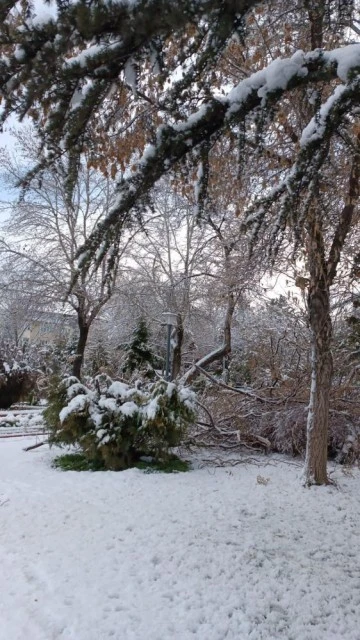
262, 90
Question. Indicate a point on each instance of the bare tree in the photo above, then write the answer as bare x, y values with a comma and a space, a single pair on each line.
45, 230
171, 261
21, 300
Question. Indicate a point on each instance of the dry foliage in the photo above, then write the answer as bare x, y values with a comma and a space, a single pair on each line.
232, 421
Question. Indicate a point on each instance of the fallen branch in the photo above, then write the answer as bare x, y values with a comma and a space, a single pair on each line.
207, 413
230, 462
219, 353
35, 446
243, 392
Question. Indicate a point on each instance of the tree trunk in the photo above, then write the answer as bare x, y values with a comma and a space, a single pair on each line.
322, 274
80, 349
177, 351
227, 334
219, 353
315, 471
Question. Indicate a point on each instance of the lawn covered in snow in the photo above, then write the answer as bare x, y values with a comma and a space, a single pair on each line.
211, 554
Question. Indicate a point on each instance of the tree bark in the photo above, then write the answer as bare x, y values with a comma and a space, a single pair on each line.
315, 471
80, 349
177, 351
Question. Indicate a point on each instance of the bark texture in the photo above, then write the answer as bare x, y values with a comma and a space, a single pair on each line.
315, 471
80, 349
177, 351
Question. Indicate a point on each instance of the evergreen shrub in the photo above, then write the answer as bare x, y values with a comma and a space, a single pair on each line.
115, 424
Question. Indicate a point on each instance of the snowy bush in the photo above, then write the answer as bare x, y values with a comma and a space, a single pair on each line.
114, 423
58, 397
17, 376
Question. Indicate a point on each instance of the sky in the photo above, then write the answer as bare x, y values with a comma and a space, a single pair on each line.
8, 142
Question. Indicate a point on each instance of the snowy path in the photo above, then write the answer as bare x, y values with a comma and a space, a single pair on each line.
206, 555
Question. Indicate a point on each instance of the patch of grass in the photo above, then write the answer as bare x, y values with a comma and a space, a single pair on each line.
75, 462
173, 465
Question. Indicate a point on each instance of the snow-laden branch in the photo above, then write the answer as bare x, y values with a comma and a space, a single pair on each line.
68, 58
260, 91
162, 13
314, 148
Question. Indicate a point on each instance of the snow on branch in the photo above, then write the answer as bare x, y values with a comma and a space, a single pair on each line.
314, 143
260, 91
54, 49
69, 57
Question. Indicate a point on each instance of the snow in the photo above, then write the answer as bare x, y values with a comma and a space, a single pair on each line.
26, 421
279, 72
44, 12
316, 127
79, 403
282, 70
276, 76
15, 367
92, 51
170, 388
192, 120
128, 408
101, 433
346, 58
119, 390
150, 410
19, 53
75, 388
188, 397
236, 554
80, 94
109, 404
148, 153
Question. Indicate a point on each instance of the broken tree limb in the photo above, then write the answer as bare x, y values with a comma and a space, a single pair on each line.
217, 354
240, 390
35, 446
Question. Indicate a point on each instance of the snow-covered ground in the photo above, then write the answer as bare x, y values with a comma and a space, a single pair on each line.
213, 554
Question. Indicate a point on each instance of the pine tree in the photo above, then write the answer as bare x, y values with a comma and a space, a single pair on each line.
139, 357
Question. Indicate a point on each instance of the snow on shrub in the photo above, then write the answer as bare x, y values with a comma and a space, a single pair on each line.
115, 423
17, 376
26, 420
